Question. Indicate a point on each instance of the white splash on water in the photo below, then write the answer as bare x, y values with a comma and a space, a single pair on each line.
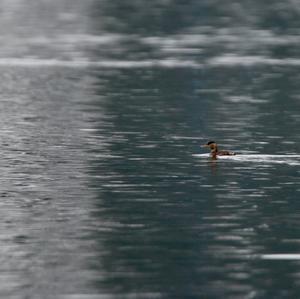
293, 160
281, 256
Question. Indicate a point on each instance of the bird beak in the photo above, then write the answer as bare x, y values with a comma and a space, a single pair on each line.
204, 145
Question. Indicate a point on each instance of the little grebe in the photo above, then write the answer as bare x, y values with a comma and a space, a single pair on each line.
215, 152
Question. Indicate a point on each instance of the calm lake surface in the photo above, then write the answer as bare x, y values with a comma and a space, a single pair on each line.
104, 190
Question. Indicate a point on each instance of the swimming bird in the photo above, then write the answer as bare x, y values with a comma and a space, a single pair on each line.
214, 151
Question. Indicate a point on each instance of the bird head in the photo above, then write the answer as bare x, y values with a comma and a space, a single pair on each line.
210, 144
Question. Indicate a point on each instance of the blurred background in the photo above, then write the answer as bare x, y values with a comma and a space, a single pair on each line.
103, 108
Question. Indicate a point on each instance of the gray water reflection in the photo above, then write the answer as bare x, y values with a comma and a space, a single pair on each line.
43, 183
103, 192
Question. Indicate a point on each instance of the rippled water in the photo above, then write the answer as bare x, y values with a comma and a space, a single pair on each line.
105, 191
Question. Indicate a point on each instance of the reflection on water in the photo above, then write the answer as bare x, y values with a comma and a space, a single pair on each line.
105, 192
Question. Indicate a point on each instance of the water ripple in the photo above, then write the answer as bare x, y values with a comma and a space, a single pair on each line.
293, 160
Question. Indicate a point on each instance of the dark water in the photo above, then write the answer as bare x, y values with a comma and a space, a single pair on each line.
105, 192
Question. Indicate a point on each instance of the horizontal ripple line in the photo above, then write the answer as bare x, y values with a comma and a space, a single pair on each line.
167, 63
226, 60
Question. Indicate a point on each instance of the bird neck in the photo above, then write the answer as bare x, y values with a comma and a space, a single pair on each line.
214, 152
214, 149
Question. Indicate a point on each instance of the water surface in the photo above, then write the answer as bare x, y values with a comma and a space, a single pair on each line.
105, 191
